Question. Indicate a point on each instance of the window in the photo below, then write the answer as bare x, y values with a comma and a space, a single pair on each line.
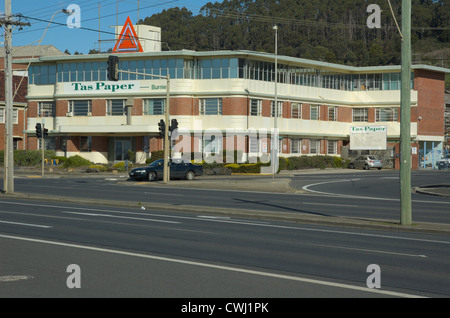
296, 145
314, 112
210, 106
314, 146
296, 110
86, 143
46, 109
15, 116
360, 114
332, 113
42, 74
80, 107
386, 114
116, 107
154, 106
212, 145
332, 147
254, 145
3, 116
279, 110
255, 107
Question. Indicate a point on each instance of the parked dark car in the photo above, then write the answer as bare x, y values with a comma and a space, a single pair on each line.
178, 169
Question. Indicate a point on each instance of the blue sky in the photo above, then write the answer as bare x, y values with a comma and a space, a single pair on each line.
82, 40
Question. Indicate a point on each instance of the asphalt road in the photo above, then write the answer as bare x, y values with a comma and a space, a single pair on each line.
126, 251
139, 253
372, 195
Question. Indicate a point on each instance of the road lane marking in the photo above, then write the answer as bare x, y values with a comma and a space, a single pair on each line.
307, 188
14, 278
161, 193
225, 221
220, 267
120, 217
332, 204
366, 250
27, 224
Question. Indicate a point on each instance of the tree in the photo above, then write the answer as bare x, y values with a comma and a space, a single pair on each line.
332, 31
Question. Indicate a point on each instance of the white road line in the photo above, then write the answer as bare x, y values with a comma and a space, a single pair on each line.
13, 278
27, 224
231, 221
120, 217
366, 250
219, 267
332, 204
307, 188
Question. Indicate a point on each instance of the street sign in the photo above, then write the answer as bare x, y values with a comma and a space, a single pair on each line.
127, 40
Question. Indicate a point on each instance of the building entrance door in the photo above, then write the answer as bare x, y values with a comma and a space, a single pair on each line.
122, 146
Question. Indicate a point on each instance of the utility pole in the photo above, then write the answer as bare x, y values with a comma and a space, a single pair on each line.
405, 117
8, 175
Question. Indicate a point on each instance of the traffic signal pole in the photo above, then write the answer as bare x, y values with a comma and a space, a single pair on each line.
113, 75
43, 147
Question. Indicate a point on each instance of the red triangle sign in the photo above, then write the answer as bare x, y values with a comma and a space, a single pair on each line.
127, 40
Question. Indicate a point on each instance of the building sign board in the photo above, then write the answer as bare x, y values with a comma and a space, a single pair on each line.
368, 137
101, 87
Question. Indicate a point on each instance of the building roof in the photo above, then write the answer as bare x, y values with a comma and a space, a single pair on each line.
33, 51
269, 57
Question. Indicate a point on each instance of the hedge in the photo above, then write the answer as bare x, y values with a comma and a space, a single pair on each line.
244, 168
308, 162
28, 157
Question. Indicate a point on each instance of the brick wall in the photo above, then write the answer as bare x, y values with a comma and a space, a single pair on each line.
431, 93
234, 106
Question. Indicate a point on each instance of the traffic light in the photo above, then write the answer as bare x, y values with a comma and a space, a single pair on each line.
38, 130
162, 128
173, 125
113, 68
45, 132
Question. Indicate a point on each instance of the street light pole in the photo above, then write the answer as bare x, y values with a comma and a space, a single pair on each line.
166, 170
274, 147
405, 117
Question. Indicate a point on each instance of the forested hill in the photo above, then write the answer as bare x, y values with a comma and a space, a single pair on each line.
327, 30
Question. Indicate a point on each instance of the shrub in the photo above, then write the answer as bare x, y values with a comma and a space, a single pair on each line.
283, 163
244, 168
338, 162
28, 157
308, 162
155, 155
98, 168
76, 161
